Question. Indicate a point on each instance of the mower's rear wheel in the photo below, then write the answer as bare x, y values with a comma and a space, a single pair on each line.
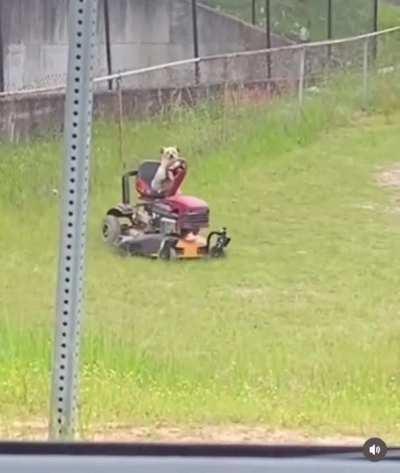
111, 229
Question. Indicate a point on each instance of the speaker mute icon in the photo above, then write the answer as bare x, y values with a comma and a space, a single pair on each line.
375, 449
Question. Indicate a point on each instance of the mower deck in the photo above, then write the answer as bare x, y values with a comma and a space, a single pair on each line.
172, 248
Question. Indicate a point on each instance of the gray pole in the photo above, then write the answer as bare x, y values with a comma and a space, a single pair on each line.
78, 118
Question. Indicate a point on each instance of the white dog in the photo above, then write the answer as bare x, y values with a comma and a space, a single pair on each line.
163, 176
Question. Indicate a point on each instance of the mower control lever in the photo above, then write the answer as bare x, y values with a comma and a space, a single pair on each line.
126, 198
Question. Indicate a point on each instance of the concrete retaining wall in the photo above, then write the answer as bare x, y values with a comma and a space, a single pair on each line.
143, 32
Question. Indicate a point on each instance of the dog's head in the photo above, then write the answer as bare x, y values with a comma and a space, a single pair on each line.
169, 155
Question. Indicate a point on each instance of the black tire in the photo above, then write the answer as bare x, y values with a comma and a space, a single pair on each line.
167, 251
217, 252
111, 229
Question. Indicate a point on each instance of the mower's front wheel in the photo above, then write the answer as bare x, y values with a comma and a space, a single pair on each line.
167, 251
111, 229
217, 252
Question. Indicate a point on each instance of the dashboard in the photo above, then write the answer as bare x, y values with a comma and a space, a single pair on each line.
158, 458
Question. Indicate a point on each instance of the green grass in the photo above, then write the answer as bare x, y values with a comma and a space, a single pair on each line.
288, 16
298, 328
389, 15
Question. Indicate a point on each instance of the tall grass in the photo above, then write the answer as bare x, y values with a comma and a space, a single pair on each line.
286, 332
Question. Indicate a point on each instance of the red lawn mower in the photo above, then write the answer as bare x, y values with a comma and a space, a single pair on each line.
165, 225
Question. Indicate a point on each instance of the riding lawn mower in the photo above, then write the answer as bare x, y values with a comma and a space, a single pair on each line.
165, 225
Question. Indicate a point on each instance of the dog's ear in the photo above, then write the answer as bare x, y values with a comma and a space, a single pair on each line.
178, 149
162, 150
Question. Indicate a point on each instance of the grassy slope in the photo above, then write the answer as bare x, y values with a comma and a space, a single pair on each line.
350, 18
298, 328
389, 16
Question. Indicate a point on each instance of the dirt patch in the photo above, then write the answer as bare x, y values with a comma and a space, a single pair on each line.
249, 292
389, 177
224, 435
37, 430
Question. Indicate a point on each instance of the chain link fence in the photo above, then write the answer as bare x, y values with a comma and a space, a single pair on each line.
251, 77
276, 69
284, 70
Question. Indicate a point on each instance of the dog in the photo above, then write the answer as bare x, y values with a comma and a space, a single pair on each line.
163, 177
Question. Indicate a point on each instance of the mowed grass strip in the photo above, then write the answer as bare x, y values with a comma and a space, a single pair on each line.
298, 328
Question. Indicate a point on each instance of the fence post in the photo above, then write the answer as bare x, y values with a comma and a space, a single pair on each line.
195, 42
2, 84
120, 123
376, 27
108, 41
302, 69
224, 97
365, 70
253, 12
330, 28
268, 33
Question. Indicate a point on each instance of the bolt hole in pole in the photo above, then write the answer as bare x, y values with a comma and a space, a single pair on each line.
78, 110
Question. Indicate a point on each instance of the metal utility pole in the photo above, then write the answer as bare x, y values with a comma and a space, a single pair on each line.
195, 40
108, 40
268, 34
253, 12
71, 272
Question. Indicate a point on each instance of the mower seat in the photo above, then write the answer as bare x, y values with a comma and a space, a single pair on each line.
145, 175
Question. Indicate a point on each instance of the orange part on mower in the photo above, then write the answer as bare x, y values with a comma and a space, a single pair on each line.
191, 248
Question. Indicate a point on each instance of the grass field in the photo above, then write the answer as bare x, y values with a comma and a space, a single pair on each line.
297, 329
